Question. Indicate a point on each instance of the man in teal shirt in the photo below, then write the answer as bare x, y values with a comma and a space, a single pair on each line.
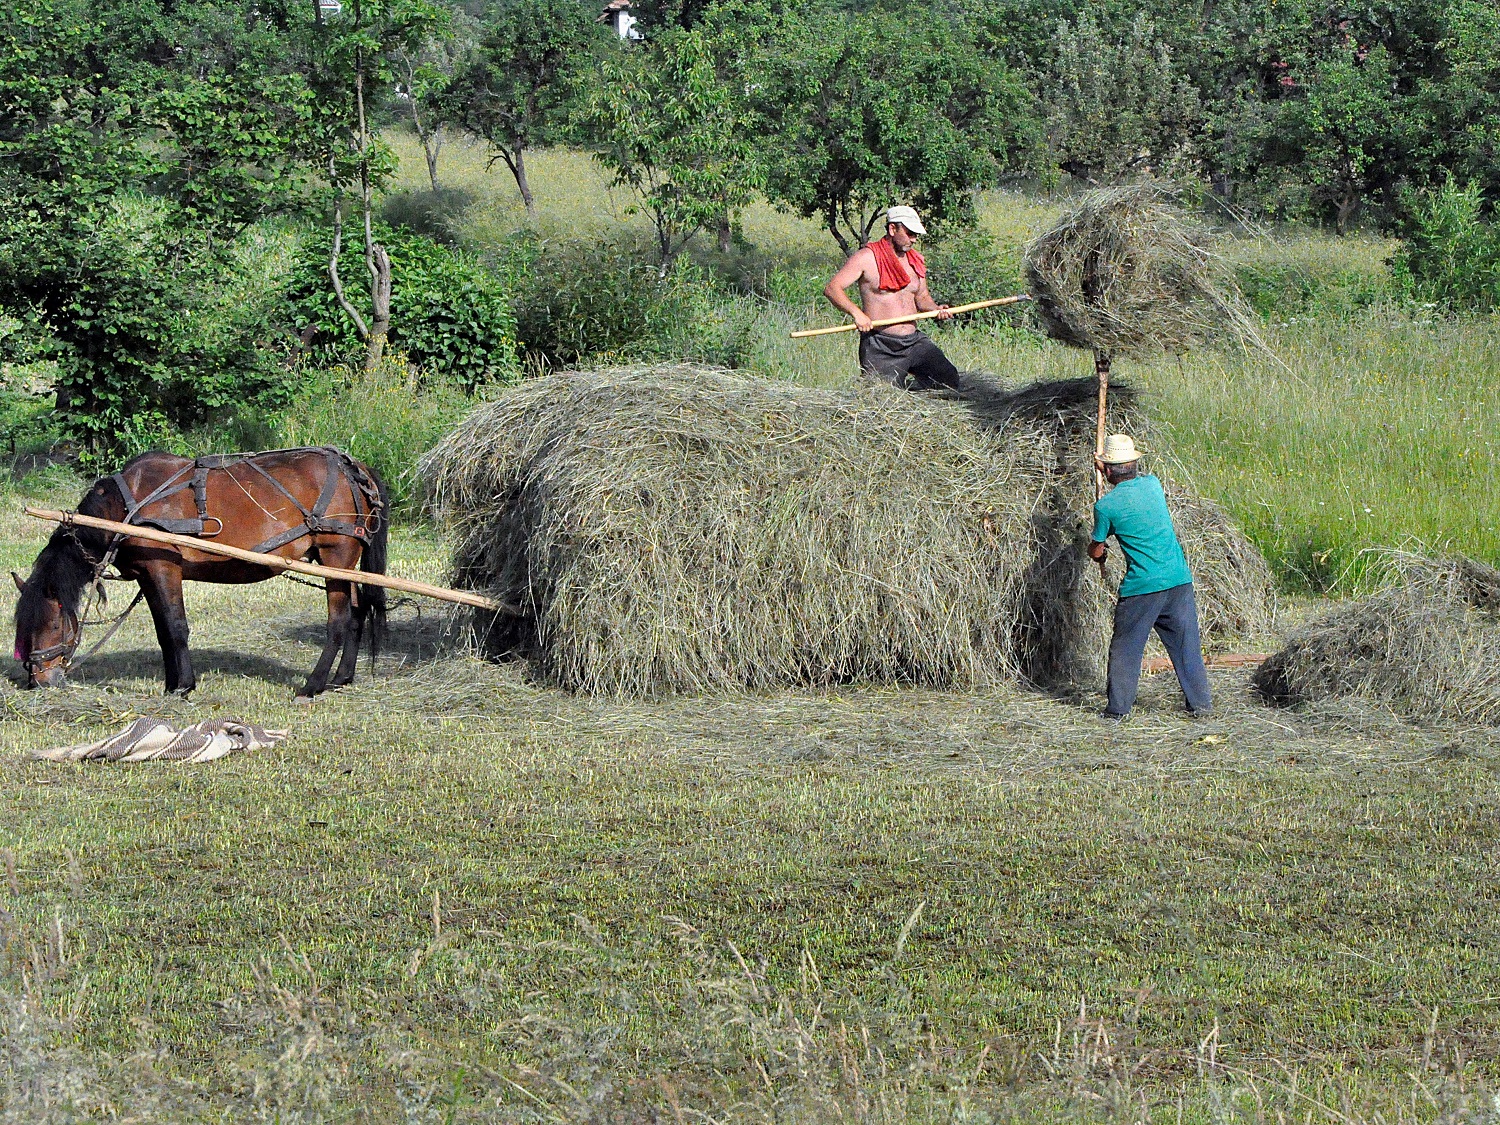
1157, 591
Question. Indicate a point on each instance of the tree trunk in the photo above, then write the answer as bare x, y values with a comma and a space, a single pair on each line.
838, 235
333, 265
518, 166
1348, 207
432, 145
725, 233
380, 295
377, 261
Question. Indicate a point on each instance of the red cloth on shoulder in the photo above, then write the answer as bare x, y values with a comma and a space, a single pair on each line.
893, 274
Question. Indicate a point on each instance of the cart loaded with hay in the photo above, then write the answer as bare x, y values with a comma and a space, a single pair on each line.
684, 529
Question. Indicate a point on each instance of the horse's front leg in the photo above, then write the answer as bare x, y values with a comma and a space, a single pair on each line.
338, 627
162, 584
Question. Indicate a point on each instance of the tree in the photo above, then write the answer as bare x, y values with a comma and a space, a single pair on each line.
516, 87
139, 142
351, 61
675, 133
1116, 107
862, 111
1464, 102
423, 77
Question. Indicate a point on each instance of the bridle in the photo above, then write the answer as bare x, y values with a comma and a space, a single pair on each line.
37, 659
72, 623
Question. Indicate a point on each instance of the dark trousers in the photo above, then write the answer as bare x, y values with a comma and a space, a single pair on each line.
911, 362
1174, 615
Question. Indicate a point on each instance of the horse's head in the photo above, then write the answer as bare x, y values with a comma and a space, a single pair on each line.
47, 634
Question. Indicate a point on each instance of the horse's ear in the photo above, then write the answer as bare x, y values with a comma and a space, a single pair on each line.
19, 581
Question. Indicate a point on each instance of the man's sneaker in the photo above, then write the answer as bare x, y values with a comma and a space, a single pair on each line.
1111, 717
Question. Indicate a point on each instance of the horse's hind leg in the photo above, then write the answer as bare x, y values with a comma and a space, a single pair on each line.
162, 584
350, 658
338, 628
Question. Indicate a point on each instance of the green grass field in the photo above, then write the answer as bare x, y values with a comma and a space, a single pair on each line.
455, 894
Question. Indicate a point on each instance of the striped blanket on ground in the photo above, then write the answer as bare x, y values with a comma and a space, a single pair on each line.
152, 740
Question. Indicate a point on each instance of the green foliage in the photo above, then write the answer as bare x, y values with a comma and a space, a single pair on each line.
674, 132
1116, 108
864, 111
1465, 102
971, 265
437, 215
27, 421
161, 332
516, 87
1449, 254
449, 313
588, 301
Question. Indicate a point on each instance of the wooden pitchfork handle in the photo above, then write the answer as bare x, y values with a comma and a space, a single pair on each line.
973, 306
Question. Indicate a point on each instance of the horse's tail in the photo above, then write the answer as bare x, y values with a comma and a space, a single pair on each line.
373, 561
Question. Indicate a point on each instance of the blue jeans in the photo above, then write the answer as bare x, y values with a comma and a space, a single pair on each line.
1174, 615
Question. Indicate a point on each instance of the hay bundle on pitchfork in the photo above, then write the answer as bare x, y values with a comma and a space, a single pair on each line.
1126, 273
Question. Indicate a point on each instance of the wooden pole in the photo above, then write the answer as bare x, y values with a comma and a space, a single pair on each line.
1101, 371
973, 306
276, 562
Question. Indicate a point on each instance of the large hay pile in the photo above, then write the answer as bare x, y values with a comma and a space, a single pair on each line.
1427, 645
687, 529
1125, 273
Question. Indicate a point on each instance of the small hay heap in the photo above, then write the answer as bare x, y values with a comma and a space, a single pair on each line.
682, 529
1427, 645
1126, 273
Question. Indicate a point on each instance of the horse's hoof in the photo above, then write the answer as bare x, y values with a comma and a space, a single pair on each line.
302, 700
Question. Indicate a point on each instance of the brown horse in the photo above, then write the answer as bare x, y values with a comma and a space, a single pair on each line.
318, 504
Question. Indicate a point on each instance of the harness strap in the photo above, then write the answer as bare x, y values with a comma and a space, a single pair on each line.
110, 632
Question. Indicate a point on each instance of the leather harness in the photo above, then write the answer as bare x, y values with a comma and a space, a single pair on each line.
341, 467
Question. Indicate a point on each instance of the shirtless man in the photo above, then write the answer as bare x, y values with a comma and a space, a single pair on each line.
892, 281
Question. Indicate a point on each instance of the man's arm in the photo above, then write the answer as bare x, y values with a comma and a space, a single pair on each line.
1097, 548
925, 303
859, 263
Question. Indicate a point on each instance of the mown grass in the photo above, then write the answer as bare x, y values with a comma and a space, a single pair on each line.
451, 882
1367, 429
455, 894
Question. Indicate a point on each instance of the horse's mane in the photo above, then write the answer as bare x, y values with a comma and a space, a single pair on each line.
61, 573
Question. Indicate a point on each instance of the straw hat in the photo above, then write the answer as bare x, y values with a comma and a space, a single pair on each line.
1119, 449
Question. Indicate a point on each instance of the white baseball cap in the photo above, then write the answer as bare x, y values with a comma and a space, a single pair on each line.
1119, 449
907, 217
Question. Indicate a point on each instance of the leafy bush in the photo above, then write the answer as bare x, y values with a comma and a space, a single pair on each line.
589, 300
1449, 254
449, 314
156, 331
968, 264
437, 215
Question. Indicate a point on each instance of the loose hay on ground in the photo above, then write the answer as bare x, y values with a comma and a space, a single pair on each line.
1427, 645
687, 529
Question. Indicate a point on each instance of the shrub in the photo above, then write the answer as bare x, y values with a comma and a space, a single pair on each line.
1449, 254
590, 300
449, 314
437, 215
154, 329
968, 264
